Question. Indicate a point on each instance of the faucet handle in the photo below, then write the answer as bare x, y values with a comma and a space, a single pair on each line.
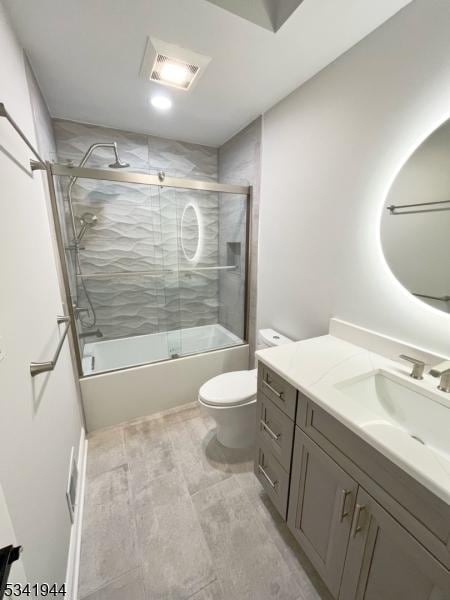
442, 370
418, 366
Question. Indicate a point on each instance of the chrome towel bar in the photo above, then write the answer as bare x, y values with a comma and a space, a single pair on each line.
41, 367
33, 164
440, 298
422, 207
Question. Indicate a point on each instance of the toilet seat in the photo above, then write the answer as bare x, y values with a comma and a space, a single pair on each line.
229, 389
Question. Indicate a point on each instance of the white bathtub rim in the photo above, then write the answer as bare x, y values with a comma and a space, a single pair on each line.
158, 362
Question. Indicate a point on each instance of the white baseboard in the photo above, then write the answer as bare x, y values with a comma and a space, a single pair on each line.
73, 562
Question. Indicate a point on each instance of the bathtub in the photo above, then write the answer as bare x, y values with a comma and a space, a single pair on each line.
140, 349
132, 377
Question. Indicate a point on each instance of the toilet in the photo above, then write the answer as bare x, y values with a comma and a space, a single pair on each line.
230, 398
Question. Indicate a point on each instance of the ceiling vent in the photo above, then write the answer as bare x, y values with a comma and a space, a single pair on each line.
170, 71
172, 65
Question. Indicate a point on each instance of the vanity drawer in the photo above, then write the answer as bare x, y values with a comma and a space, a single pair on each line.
274, 479
278, 390
422, 513
275, 429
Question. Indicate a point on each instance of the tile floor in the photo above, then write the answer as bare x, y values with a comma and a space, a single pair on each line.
170, 514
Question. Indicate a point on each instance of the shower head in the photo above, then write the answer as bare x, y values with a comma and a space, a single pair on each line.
117, 164
87, 220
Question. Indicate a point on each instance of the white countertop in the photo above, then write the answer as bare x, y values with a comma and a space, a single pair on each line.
317, 366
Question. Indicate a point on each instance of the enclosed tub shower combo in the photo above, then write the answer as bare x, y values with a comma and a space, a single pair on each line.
150, 262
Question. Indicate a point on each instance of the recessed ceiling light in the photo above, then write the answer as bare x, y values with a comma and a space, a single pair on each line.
161, 102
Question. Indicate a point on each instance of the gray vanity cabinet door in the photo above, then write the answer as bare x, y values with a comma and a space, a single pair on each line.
321, 505
384, 561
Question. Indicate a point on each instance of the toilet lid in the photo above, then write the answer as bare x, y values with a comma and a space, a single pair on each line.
229, 389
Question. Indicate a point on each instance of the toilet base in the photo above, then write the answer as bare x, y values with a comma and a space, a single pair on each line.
236, 425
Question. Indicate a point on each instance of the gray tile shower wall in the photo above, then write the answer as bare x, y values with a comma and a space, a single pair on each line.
138, 229
239, 162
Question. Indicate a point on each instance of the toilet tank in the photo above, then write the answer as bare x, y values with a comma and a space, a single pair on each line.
269, 337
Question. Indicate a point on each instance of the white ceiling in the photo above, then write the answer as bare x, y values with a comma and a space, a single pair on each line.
87, 55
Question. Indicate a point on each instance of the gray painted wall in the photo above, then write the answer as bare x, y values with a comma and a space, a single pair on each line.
138, 229
330, 153
239, 162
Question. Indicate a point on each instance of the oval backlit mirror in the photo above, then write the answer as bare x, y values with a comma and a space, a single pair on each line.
190, 233
415, 226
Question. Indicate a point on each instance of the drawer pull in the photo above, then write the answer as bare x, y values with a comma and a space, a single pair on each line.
273, 390
273, 435
263, 472
356, 528
342, 512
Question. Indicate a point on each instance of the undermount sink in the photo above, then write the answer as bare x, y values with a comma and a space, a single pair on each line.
387, 401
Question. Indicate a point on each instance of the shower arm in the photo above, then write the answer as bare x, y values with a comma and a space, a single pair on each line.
90, 150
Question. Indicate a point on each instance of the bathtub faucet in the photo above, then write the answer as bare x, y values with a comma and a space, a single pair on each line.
86, 334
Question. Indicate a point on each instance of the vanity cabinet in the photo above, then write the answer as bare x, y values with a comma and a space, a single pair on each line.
386, 562
321, 506
371, 531
276, 411
350, 538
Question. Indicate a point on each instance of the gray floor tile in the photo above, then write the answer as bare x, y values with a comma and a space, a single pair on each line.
206, 529
106, 451
149, 452
311, 586
127, 587
212, 591
108, 547
189, 411
198, 454
239, 460
176, 560
247, 561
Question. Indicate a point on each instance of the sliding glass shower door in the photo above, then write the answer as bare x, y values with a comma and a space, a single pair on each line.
155, 272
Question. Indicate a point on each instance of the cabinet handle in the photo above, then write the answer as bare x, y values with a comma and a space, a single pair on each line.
273, 435
263, 472
342, 513
356, 527
273, 390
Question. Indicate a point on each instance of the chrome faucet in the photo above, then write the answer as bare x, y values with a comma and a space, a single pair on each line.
442, 370
418, 366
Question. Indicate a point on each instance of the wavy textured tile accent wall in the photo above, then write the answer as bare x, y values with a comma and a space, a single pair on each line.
138, 229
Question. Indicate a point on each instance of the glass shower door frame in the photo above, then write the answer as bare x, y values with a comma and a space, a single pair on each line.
57, 170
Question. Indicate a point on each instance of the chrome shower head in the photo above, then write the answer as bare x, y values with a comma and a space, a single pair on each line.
117, 164
87, 220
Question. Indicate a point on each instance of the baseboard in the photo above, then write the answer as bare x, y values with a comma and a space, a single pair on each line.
73, 562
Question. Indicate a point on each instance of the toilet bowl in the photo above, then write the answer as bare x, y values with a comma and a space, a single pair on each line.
230, 399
